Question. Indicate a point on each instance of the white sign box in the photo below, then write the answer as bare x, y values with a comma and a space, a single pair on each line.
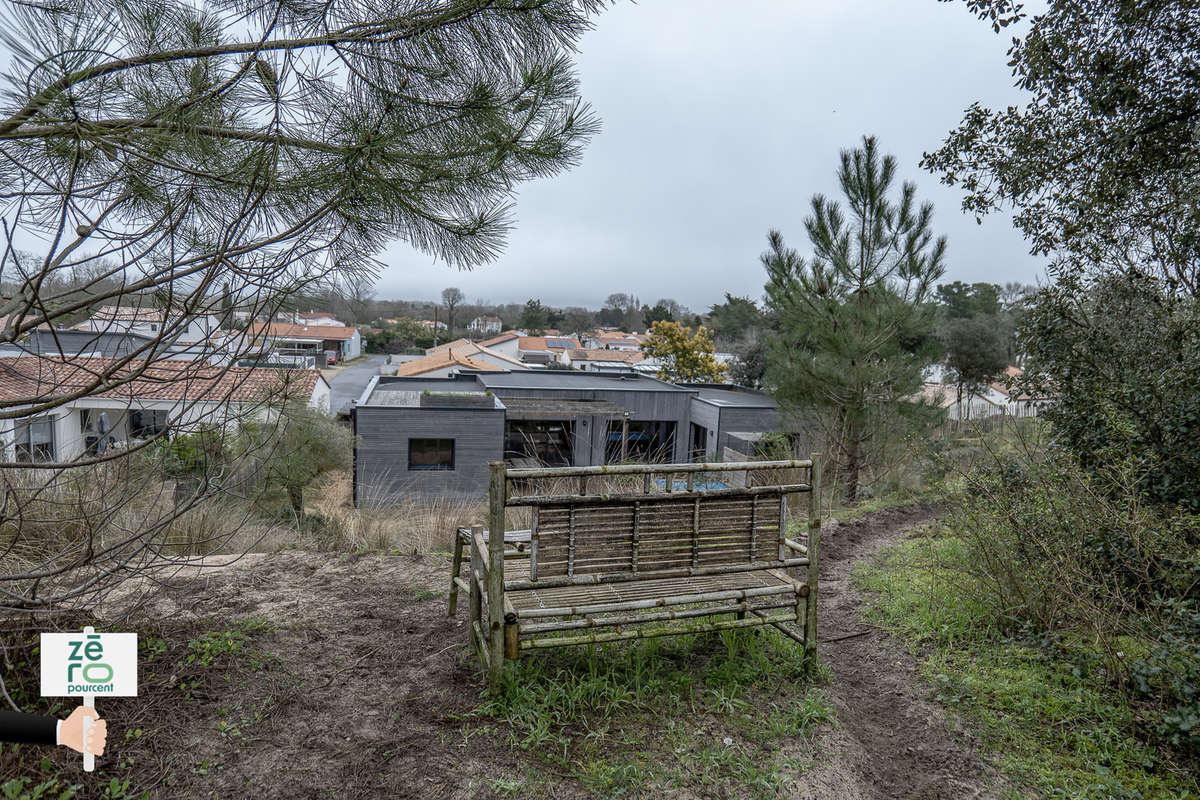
87, 663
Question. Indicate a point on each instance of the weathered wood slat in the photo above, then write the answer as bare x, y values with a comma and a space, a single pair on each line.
651, 632
643, 469
655, 616
620, 577
675, 600
567, 499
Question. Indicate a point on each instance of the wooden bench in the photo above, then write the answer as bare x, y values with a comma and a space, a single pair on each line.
636, 551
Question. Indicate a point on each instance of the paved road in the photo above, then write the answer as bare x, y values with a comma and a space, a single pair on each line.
349, 382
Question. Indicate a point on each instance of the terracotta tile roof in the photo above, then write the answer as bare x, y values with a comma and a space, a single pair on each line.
128, 314
507, 336
540, 343
43, 379
456, 344
286, 330
448, 358
626, 356
467, 348
1011, 373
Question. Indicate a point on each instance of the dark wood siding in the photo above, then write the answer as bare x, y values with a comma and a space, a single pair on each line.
709, 416
741, 420
382, 457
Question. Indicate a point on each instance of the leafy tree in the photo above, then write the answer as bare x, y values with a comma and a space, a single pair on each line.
750, 363
535, 317
578, 320
854, 320
451, 298
959, 300
1118, 359
301, 447
684, 356
976, 351
621, 310
659, 313
735, 319
405, 334
1100, 159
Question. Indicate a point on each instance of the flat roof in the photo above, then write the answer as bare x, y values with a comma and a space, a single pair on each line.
547, 380
468, 401
538, 408
731, 396
564, 379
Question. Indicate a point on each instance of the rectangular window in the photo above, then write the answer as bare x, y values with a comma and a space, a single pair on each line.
640, 442
549, 442
35, 440
146, 424
430, 454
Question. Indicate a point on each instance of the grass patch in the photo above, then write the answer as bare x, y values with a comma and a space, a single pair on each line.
714, 712
1056, 728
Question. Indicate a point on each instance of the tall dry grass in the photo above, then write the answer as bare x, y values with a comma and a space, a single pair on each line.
412, 524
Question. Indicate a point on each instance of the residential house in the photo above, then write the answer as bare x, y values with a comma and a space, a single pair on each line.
153, 322
486, 326
325, 343
993, 400
545, 350
476, 351
142, 401
421, 435
727, 421
508, 343
316, 318
603, 360
615, 340
432, 325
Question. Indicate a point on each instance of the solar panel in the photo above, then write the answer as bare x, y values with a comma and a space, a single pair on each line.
560, 343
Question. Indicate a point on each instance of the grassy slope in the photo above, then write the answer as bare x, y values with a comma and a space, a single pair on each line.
1054, 732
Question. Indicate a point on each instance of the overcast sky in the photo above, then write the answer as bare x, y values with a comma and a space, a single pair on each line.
720, 120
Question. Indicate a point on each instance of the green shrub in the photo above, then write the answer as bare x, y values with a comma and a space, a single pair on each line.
1078, 562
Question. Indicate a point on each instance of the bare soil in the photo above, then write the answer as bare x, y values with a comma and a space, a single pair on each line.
894, 739
360, 686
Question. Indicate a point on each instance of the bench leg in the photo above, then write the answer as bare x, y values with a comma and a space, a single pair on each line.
455, 569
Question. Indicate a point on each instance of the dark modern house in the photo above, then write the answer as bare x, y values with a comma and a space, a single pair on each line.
726, 421
437, 435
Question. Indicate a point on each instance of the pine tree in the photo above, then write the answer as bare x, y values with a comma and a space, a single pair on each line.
855, 321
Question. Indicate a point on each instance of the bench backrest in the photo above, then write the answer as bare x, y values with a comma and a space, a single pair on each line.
655, 534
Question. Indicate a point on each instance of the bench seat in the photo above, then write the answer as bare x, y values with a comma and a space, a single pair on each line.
655, 588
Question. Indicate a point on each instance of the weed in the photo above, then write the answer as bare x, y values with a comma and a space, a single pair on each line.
1056, 724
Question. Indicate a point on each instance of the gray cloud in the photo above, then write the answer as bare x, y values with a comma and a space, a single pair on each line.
720, 121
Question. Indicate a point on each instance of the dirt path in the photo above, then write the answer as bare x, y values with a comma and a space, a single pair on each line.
895, 740
366, 691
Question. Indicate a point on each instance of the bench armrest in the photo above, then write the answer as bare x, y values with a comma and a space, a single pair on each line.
795, 546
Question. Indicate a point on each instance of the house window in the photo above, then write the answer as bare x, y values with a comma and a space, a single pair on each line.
35, 440
548, 442
426, 454
144, 424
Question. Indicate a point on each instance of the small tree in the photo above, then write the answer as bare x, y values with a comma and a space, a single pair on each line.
535, 317
684, 357
452, 298
855, 322
303, 446
976, 351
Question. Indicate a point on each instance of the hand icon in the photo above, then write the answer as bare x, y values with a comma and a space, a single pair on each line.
71, 733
